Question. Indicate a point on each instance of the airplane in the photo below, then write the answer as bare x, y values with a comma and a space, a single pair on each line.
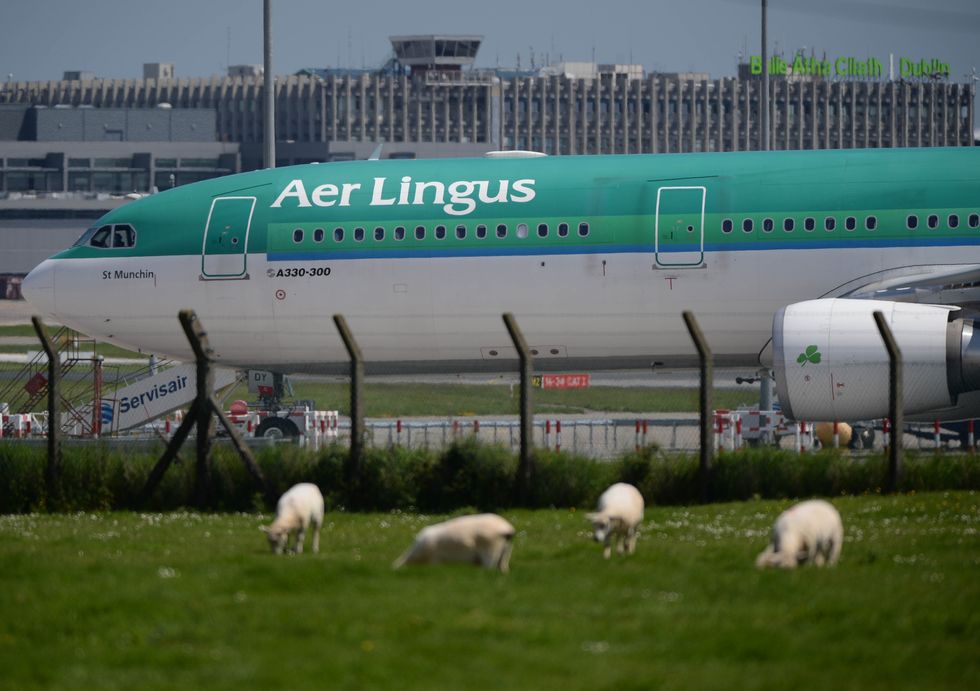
782, 257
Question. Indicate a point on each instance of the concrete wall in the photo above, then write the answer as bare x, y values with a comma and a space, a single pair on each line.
120, 124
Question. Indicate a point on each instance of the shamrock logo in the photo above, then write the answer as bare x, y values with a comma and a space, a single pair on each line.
811, 354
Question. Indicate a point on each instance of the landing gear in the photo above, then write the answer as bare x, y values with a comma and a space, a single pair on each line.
277, 428
863, 438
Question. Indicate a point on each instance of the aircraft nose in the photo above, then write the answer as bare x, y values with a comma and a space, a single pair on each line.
38, 287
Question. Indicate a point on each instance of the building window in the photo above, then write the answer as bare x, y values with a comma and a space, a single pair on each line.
522, 230
871, 222
850, 223
379, 234
767, 225
318, 235
420, 232
298, 235
747, 225
953, 220
583, 229
358, 234
809, 224
399, 232
481, 231
932, 220
502, 230
460, 232
338, 234
726, 225
829, 223
788, 225
440, 232
562, 230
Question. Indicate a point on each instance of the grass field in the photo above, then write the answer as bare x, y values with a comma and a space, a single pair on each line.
185, 600
408, 400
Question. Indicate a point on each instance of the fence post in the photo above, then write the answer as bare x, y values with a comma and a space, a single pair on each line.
895, 412
525, 469
202, 412
52, 474
353, 471
707, 380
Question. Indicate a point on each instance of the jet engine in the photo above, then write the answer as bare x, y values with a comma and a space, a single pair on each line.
831, 363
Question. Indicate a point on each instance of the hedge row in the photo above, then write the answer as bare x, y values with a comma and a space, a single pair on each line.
467, 474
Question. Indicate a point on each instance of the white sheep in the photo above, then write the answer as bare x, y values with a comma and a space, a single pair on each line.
619, 513
483, 539
809, 532
298, 508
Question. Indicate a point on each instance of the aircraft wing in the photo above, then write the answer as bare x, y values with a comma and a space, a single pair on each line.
942, 284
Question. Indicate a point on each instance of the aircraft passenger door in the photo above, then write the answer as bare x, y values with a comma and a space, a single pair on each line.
679, 226
223, 255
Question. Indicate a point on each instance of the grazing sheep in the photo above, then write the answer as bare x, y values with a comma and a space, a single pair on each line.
620, 511
299, 507
809, 532
484, 539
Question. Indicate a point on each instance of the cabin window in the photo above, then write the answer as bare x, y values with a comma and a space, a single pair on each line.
973, 221
583, 229
338, 234
747, 225
460, 232
932, 220
502, 230
522, 230
767, 225
318, 235
298, 235
358, 234
953, 220
871, 222
727, 225
481, 231
850, 223
829, 223
399, 232
809, 224
542, 230
789, 224
440, 232
420, 232
124, 236
912, 222
379, 234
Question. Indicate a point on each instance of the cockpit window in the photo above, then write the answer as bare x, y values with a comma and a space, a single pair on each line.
123, 236
117, 236
102, 237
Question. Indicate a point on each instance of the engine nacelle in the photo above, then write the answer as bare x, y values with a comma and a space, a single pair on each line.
831, 364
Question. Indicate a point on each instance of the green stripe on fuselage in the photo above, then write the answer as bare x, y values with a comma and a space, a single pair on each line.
616, 195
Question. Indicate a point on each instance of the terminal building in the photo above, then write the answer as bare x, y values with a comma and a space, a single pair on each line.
428, 100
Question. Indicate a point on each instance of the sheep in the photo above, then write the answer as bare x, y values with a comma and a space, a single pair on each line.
299, 507
483, 539
620, 511
809, 532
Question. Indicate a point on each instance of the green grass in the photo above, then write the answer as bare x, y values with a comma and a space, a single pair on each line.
186, 600
408, 400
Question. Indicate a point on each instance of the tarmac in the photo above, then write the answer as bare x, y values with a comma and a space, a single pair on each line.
14, 312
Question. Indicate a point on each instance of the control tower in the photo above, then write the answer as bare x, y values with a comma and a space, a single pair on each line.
436, 53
